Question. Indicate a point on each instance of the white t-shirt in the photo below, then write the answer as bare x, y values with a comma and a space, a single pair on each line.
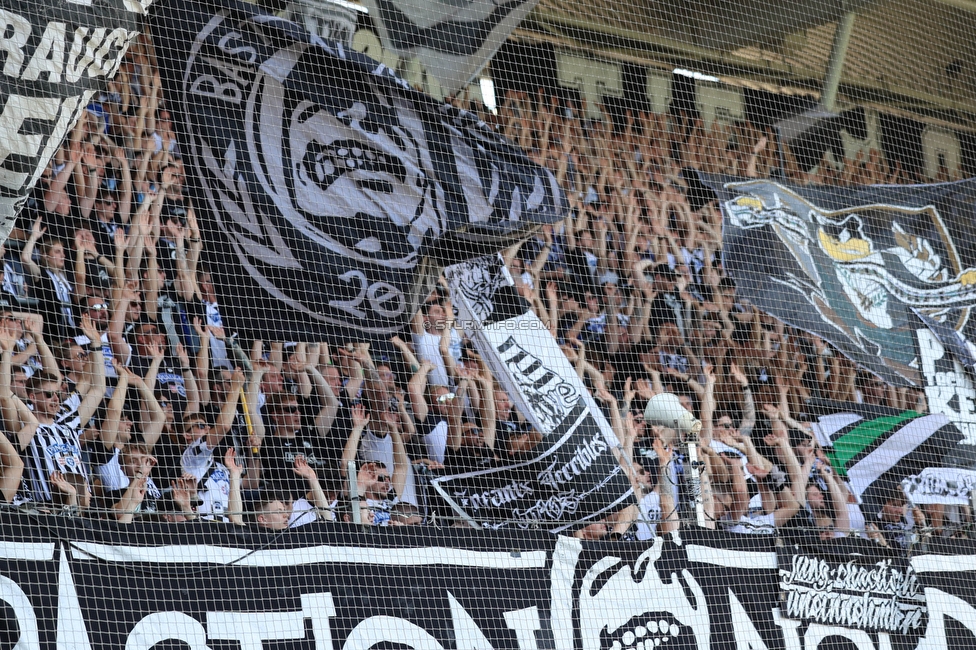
427, 346
218, 348
650, 515
302, 513
436, 441
374, 449
215, 493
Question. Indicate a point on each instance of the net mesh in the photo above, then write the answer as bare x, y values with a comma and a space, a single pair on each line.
535, 324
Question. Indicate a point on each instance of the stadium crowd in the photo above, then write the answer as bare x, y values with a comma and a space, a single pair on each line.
124, 394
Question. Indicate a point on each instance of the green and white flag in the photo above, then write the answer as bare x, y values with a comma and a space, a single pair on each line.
868, 445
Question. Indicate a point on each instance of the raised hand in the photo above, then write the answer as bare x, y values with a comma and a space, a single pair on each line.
155, 351
629, 392
360, 418
230, 462
120, 240
62, 484
217, 331
738, 375
37, 230
645, 389
88, 329
184, 491
303, 469
7, 340
663, 451
182, 356
604, 396
34, 323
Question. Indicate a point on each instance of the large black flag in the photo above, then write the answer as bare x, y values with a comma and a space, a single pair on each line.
56, 55
335, 192
852, 265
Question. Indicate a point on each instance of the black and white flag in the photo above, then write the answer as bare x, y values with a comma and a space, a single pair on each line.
855, 265
334, 192
333, 21
572, 476
56, 56
453, 40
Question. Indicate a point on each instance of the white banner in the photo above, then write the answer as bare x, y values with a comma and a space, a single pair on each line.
942, 485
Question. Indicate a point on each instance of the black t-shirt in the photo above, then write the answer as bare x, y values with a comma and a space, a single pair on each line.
169, 379
469, 459
168, 451
666, 308
278, 462
104, 236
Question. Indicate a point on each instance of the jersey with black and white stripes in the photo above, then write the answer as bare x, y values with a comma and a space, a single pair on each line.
55, 448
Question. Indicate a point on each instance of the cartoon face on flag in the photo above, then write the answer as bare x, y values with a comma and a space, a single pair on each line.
852, 274
360, 180
332, 192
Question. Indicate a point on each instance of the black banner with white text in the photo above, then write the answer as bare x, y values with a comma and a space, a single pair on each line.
56, 55
70, 583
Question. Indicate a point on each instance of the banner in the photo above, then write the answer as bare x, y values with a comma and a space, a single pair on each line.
948, 385
942, 485
69, 583
72, 583
878, 446
852, 583
56, 56
453, 40
852, 265
947, 571
573, 476
334, 193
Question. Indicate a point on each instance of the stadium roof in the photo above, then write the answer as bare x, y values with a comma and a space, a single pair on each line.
917, 56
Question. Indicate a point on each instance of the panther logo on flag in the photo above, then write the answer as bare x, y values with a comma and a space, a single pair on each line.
863, 268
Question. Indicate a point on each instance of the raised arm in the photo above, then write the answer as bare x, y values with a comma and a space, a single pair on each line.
34, 323
314, 487
96, 363
838, 498
360, 418
407, 353
203, 361
227, 411
251, 395
748, 404
488, 416
417, 388
454, 432
16, 416
401, 462
330, 403
27, 252
669, 510
779, 439
116, 325
153, 417
708, 407
11, 469
235, 503
109, 431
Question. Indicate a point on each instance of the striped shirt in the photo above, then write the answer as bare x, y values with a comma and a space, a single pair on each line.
55, 448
